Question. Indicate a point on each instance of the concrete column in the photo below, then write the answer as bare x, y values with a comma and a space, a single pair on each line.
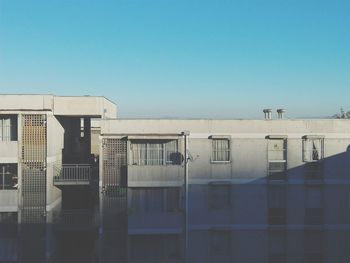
87, 138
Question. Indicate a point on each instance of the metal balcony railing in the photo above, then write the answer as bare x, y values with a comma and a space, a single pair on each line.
72, 174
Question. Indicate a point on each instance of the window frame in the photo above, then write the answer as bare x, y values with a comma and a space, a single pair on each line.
164, 161
270, 171
312, 138
10, 170
9, 131
214, 138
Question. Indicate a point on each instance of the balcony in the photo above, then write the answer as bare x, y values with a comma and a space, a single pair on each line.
72, 174
155, 175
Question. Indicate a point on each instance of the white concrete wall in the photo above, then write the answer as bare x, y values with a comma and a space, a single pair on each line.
84, 106
331, 128
26, 102
55, 141
167, 175
8, 200
8, 152
60, 105
248, 144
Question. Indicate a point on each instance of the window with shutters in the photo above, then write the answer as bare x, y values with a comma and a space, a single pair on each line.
155, 152
277, 161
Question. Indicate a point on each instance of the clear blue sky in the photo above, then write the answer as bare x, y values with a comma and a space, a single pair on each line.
158, 58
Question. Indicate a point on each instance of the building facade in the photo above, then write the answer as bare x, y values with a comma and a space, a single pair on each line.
258, 190
45, 148
272, 190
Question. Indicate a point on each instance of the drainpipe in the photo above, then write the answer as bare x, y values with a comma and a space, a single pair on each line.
185, 134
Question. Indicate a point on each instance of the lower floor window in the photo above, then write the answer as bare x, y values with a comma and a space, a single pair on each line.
220, 243
277, 246
8, 176
154, 247
153, 199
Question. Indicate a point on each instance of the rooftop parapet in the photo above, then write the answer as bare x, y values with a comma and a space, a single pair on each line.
93, 106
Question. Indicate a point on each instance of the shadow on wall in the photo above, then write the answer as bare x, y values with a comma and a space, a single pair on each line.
301, 215
302, 218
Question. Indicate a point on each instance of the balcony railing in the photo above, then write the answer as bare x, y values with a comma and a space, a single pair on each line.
72, 174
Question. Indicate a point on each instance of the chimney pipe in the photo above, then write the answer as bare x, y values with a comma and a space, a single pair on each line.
267, 113
280, 113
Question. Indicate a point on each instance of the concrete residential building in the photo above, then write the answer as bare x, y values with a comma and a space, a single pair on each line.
45, 147
278, 187
271, 190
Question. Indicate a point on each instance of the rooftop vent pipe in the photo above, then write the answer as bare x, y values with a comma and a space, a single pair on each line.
268, 114
280, 113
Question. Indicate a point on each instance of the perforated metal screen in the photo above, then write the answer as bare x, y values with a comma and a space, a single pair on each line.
34, 144
114, 163
114, 198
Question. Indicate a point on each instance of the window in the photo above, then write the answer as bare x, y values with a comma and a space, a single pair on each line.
8, 176
219, 196
277, 214
313, 205
277, 246
313, 246
277, 161
8, 224
313, 149
220, 242
145, 200
155, 152
221, 150
154, 248
8, 128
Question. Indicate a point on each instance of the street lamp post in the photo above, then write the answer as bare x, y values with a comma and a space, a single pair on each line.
185, 135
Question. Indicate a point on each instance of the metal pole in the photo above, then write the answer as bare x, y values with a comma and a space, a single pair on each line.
3, 177
186, 134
